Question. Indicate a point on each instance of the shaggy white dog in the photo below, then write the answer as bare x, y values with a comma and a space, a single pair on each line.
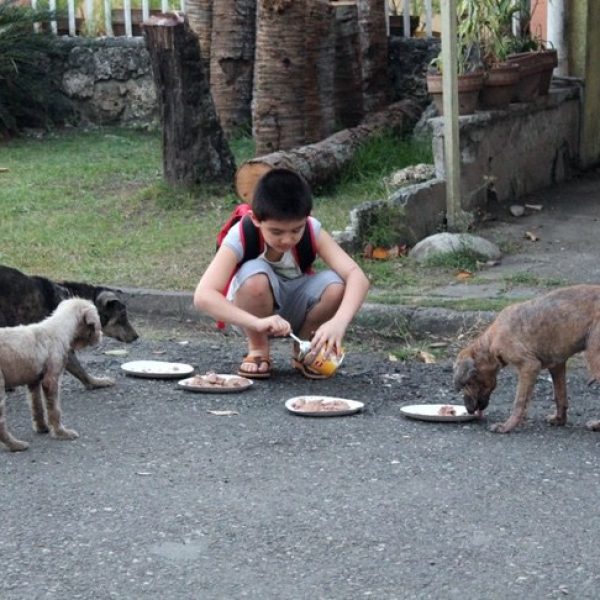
35, 355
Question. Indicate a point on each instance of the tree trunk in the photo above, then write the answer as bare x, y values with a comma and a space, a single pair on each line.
373, 53
288, 108
322, 162
232, 61
200, 17
348, 96
194, 147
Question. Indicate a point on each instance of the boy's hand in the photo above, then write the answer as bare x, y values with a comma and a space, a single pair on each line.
329, 335
274, 325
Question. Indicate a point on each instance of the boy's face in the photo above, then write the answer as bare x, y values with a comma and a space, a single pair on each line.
281, 235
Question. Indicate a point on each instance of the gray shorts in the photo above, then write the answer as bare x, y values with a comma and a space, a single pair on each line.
293, 297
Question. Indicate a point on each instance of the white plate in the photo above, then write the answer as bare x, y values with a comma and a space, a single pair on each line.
187, 384
157, 369
353, 406
430, 412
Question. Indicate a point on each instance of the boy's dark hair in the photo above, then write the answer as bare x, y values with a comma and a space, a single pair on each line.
281, 195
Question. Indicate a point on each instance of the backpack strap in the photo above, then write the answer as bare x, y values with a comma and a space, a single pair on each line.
252, 241
305, 251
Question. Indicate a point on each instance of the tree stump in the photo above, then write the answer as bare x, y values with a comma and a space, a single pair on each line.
232, 61
322, 162
194, 147
373, 53
293, 64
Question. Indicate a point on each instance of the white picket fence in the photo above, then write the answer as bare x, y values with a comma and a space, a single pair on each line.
97, 17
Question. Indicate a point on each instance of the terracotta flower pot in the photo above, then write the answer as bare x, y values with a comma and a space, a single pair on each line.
469, 86
499, 85
536, 73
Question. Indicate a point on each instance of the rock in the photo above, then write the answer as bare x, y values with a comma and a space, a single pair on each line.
516, 210
411, 174
445, 243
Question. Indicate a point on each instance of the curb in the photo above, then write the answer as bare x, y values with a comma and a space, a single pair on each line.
390, 321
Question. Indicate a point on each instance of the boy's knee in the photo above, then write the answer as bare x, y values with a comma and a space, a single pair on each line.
256, 285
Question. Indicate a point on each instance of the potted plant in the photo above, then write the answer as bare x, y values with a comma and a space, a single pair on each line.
493, 20
470, 74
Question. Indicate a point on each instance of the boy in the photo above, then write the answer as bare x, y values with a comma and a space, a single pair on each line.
270, 295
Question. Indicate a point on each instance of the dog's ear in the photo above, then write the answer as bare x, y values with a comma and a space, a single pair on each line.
464, 370
106, 298
90, 317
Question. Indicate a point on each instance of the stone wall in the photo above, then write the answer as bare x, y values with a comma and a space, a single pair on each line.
109, 81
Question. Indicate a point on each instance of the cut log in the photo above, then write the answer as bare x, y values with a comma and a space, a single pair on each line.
322, 162
200, 16
232, 62
194, 147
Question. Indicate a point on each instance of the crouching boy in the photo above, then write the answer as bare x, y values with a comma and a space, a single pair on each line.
277, 292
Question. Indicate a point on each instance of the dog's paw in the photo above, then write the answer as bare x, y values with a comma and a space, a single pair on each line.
17, 446
95, 383
593, 425
555, 420
40, 427
499, 428
65, 434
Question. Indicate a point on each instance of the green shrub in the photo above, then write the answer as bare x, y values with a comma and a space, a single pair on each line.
29, 94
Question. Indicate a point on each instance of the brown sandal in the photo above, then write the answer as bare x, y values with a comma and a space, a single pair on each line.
258, 360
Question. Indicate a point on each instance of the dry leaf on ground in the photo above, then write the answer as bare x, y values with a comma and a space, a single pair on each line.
223, 413
426, 357
463, 275
531, 236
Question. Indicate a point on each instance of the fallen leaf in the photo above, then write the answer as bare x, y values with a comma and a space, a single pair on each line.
463, 275
438, 344
223, 413
159, 352
380, 253
426, 357
531, 236
392, 358
116, 352
534, 206
368, 250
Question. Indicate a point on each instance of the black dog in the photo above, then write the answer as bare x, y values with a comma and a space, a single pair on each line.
28, 299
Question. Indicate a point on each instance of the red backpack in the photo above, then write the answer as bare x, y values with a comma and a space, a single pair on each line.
305, 251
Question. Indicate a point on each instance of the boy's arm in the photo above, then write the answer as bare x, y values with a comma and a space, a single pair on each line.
355, 291
209, 298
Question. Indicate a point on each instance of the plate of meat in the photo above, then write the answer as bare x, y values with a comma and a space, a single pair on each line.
323, 406
215, 383
157, 369
437, 412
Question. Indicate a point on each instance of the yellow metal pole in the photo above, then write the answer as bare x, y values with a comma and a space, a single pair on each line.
450, 100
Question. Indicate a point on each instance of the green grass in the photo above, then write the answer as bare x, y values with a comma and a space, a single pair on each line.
92, 206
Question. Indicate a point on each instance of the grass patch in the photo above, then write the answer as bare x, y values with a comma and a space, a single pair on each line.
464, 259
524, 278
93, 206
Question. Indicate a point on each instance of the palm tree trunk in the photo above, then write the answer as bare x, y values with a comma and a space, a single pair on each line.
200, 16
232, 61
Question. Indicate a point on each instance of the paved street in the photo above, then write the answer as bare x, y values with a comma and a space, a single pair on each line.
160, 499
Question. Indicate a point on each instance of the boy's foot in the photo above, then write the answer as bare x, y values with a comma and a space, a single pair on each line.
255, 366
307, 371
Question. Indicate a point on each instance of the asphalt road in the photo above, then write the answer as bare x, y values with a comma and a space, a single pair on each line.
159, 499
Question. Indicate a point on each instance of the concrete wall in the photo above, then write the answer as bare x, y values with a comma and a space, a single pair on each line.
504, 155
512, 153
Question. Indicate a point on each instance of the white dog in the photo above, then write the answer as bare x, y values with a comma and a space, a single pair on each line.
35, 355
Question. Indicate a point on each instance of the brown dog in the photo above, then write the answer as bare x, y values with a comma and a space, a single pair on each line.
36, 356
538, 334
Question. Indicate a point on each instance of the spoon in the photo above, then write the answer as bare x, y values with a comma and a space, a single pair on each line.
304, 345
